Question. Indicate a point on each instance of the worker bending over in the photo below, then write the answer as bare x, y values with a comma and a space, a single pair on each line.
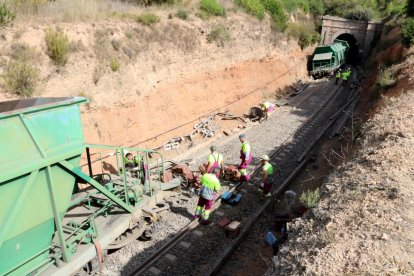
136, 165
246, 158
338, 76
129, 160
267, 108
215, 160
267, 178
210, 185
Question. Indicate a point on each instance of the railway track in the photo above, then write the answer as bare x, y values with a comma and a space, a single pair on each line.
201, 246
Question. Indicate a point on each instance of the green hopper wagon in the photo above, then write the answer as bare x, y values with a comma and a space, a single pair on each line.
329, 58
47, 225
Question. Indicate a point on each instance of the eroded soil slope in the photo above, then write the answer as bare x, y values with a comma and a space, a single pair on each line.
170, 73
364, 223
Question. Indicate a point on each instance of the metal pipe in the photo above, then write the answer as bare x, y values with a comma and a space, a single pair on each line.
88, 156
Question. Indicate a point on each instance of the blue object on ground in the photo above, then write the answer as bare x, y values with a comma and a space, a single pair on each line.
270, 238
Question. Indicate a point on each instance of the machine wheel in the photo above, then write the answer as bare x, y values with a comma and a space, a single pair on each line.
128, 236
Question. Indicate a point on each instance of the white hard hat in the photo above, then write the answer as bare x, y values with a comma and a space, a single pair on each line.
265, 157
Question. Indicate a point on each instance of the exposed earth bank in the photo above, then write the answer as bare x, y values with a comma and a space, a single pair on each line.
169, 75
365, 219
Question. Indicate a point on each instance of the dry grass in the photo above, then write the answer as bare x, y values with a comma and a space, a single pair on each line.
70, 10
21, 75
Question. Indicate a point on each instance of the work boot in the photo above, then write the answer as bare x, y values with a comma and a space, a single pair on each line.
205, 222
196, 217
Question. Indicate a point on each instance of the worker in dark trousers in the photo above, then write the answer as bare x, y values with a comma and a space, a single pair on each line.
246, 158
267, 178
215, 160
349, 72
345, 77
210, 185
338, 76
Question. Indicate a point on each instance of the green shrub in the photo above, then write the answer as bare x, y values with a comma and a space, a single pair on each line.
277, 13
360, 13
115, 65
21, 77
395, 8
218, 34
305, 34
58, 46
147, 19
212, 7
386, 77
293, 5
254, 7
407, 31
6, 15
203, 15
290, 5
308, 39
182, 14
316, 7
309, 199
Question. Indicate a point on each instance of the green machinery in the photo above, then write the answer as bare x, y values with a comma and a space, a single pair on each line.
47, 226
329, 58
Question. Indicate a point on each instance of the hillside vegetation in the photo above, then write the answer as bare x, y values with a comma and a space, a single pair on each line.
299, 20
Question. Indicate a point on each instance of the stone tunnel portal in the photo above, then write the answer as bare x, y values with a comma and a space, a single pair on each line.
354, 53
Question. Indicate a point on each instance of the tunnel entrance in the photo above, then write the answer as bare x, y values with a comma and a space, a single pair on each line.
353, 52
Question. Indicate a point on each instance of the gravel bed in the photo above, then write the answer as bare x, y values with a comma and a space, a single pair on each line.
264, 138
255, 242
205, 250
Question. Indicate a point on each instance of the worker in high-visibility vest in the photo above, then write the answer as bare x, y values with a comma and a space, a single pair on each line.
345, 76
267, 108
136, 165
128, 160
338, 76
267, 176
246, 158
349, 72
215, 160
245, 154
210, 186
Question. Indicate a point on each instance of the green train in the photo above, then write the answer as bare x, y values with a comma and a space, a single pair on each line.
329, 58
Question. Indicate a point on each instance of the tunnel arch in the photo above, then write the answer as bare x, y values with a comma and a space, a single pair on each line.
355, 47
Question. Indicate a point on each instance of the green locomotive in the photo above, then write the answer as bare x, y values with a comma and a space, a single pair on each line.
329, 58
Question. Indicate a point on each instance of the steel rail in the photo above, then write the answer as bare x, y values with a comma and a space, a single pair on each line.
237, 241
192, 225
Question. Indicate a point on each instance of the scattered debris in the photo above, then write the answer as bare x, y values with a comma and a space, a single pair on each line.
224, 222
233, 229
227, 116
227, 132
205, 128
299, 87
281, 102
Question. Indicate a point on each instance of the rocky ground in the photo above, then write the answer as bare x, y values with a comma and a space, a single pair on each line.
364, 222
264, 138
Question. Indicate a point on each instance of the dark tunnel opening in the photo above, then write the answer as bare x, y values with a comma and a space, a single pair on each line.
353, 56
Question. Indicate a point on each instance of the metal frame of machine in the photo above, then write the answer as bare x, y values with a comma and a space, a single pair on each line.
43, 227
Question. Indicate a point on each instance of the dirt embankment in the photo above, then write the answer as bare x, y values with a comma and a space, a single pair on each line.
364, 222
169, 73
